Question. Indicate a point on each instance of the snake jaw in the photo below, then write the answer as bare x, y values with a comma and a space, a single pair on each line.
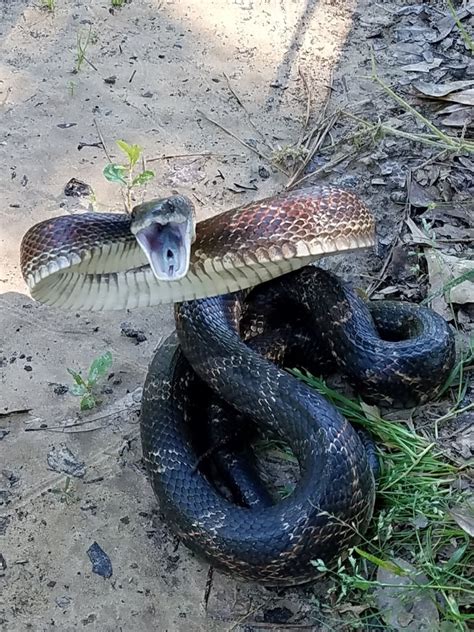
167, 248
165, 230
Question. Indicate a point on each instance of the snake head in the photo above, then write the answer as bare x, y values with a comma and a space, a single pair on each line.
165, 230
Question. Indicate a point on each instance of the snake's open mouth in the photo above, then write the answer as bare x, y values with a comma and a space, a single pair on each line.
167, 248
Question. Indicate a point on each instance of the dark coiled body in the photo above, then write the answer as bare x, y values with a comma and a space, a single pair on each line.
334, 497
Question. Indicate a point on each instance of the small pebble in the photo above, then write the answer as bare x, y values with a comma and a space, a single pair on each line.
101, 564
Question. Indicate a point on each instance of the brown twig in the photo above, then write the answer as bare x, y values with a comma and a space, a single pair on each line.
325, 167
247, 113
308, 99
247, 615
101, 138
208, 588
319, 140
242, 142
206, 154
322, 115
78, 424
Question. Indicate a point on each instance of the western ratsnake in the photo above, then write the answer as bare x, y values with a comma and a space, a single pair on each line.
392, 352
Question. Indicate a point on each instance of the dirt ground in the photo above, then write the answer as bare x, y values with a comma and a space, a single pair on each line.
153, 71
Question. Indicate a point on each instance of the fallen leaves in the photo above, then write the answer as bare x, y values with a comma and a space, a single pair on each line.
402, 605
451, 280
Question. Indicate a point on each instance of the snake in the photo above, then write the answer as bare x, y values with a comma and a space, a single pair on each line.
248, 301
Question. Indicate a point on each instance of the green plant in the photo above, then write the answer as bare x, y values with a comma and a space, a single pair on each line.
464, 34
83, 42
117, 3
417, 492
125, 174
66, 494
85, 387
50, 5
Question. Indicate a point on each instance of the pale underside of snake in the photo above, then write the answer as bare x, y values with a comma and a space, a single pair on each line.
113, 261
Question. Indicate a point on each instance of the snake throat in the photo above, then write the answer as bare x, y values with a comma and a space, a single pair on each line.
94, 262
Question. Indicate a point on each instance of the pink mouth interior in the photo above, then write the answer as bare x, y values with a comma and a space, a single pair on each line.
165, 246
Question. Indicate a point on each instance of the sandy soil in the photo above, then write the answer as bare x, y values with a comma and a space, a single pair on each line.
170, 61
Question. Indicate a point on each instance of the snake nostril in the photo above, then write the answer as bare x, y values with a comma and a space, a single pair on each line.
169, 254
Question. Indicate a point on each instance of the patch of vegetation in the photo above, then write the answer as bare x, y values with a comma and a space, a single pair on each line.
66, 494
49, 5
86, 388
422, 517
126, 174
83, 42
464, 34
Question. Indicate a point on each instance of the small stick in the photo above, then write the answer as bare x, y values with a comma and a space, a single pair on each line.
101, 138
323, 114
319, 141
329, 165
208, 588
207, 154
90, 63
247, 615
242, 142
308, 98
85, 421
240, 102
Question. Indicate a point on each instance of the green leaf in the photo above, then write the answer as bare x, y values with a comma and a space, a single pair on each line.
143, 177
388, 566
132, 151
87, 402
77, 378
100, 367
78, 389
115, 173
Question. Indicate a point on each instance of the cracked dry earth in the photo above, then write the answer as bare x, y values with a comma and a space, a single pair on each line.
154, 71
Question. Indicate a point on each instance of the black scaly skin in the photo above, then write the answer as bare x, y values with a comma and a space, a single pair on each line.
334, 496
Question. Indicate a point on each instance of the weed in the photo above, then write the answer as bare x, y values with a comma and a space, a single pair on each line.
417, 488
465, 35
83, 42
49, 5
124, 174
117, 3
66, 494
85, 387
289, 155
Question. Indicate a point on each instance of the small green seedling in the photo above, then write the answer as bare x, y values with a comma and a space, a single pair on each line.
125, 174
50, 5
85, 387
66, 494
83, 41
117, 3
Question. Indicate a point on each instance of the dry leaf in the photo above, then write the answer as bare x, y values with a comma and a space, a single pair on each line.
464, 96
464, 517
437, 90
443, 269
406, 608
419, 196
418, 236
423, 66
461, 118
458, 210
454, 233
446, 25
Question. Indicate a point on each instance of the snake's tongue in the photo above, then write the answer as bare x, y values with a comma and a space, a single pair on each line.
167, 249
